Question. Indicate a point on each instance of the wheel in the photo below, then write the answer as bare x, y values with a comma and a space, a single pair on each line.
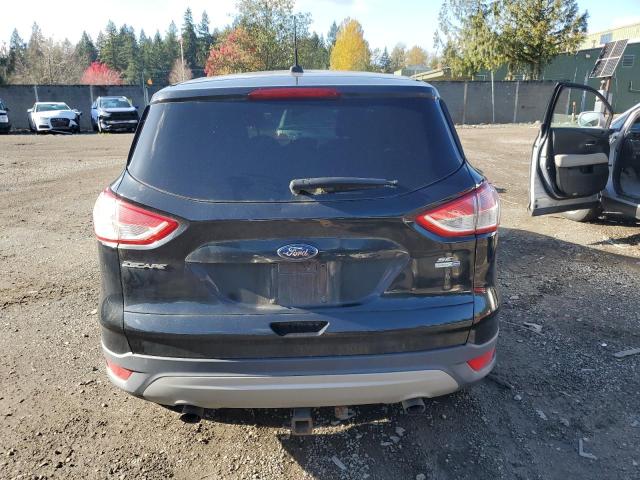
94, 126
586, 215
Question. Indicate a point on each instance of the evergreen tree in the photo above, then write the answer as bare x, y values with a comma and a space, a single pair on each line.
85, 49
385, 62
189, 39
128, 55
17, 51
171, 46
205, 40
332, 35
109, 51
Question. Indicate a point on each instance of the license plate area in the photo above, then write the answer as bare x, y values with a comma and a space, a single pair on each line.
302, 284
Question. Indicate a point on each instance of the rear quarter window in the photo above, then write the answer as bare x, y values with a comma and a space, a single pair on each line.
241, 150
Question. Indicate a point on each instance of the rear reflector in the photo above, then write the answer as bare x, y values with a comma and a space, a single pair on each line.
482, 361
292, 93
120, 372
475, 212
117, 222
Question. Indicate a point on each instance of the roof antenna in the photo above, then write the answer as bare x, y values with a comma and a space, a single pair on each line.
295, 68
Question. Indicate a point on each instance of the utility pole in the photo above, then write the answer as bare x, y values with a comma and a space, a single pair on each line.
182, 57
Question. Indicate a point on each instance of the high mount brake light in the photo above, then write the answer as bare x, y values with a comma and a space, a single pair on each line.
475, 212
292, 93
117, 222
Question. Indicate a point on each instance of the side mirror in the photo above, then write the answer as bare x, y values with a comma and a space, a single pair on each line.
7, 109
30, 110
136, 107
591, 119
77, 112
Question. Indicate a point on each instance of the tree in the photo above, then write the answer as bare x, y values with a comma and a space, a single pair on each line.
189, 38
17, 51
109, 46
269, 23
385, 62
397, 57
332, 35
351, 51
128, 55
100, 74
313, 53
532, 32
235, 53
205, 39
416, 56
46, 62
171, 45
523, 34
85, 49
179, 72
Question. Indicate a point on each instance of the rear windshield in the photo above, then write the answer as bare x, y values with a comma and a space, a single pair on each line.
242, 150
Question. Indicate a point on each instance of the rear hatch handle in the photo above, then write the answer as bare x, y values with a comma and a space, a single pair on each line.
299, 329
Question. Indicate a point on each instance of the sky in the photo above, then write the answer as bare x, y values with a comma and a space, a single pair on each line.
385, 22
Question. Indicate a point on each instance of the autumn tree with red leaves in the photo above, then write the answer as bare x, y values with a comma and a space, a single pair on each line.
235, 53
100, 74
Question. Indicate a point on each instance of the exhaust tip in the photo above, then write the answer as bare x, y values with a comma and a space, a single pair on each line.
191, 414
414, 406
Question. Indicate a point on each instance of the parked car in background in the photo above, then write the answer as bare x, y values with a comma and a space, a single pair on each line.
110, 114
5, 124
53, 117
297, 240
584, 164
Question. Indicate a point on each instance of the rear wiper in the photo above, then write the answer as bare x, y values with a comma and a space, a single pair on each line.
322, 185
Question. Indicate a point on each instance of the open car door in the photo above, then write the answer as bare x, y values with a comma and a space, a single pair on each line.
570, 158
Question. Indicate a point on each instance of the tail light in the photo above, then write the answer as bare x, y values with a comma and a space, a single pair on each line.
478, 363
289, 93
120, 372
117, 222
474, 212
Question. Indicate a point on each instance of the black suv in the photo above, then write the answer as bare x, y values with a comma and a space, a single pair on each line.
286, 240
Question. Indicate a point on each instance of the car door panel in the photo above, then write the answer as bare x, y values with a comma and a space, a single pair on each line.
569, 165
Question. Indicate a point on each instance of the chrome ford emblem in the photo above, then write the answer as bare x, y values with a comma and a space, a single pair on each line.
297, 252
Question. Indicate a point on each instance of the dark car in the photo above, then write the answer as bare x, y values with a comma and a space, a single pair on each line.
113, 114
5, 123
281, 240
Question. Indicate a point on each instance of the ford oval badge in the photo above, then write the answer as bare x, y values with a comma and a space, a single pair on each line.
297, 252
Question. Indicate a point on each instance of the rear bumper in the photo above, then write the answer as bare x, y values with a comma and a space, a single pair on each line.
300, 382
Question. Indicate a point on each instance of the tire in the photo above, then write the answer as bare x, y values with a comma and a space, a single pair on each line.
586, 215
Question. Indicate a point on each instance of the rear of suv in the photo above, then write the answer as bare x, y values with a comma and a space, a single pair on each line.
281, 240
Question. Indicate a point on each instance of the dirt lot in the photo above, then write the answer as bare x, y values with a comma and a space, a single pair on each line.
60, 417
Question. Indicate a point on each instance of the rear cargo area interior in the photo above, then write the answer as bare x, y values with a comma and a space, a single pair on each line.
629, 162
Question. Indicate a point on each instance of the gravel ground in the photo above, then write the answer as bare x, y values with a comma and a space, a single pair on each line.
552, 390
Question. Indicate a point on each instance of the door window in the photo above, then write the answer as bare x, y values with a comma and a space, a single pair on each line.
579, 108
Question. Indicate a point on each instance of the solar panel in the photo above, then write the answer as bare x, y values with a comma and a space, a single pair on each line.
608, 59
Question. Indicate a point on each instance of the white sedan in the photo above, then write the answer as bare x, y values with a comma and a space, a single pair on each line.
53, 117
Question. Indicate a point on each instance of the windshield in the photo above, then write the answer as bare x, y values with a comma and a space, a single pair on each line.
2, 107
251, 150
51, 107
114, 103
